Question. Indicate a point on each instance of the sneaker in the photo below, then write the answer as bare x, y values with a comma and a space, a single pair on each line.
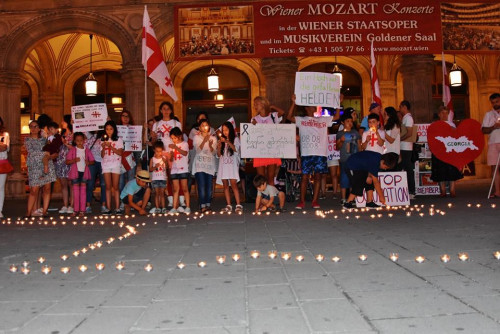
158, 210
88, 209
300, 206
322, 197
104, 209
342, 201
37, 214
172, 211
412, 196
372, 205
118, 212
122, 206
315, 205
282, 210
153, 210
180, 209
349, 205
63, 210
187, 211
70, 210
164, 210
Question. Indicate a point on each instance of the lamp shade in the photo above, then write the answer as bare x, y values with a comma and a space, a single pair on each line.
455, 75
213, 81
337, 73
91, 85
116, 100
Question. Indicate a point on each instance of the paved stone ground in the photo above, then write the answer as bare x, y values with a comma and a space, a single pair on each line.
261, 295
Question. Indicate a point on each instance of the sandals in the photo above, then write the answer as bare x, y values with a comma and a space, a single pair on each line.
228, 208
239, 208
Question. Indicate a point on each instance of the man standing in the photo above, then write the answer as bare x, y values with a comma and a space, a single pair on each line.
407, 146
491, 127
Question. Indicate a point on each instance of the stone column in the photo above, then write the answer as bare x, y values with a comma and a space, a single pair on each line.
133, 76
280, 80
52, 104
10, 97
417, 71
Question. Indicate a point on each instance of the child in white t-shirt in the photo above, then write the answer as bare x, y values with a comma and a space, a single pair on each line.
179, 171
112, 149
373, 139
158, 168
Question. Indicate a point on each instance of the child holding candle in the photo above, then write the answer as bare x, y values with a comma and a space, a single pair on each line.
228, 149
79, 158
373, 140
179, 173
268, 196
136, 193
348, 143
112, 149
158, 167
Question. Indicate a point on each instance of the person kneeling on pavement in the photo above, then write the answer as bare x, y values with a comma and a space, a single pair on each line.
268, 196
363, 175
136, 193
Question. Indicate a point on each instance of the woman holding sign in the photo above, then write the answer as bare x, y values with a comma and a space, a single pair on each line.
266, 115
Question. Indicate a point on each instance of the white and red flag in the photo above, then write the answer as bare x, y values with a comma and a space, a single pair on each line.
152, 58
446, 91
375, 86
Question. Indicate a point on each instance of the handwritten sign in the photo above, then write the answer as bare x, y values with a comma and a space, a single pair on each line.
395, 188
89, 117
317, 89
333, 154
132, 136
268, 141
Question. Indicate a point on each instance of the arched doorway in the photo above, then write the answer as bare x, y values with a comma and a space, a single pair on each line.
232, 100
459, 94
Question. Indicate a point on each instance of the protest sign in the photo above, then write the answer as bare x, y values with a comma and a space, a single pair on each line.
332, 152
131, 135
268, 141
317, 89
395, 188
89, 117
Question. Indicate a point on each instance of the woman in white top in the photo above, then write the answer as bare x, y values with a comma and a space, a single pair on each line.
392, 131
168, 121
112, 149
4, 163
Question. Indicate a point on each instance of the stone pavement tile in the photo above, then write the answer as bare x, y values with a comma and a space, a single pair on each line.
185, 314
196, 255
202, 330
110, 320
278, 321
201, 289
290, 247
461, 286
459, 323
42, 288
265, 276
212, 270
270, 296
132, 296
316, 289
53, 323
16, 313
489, 305
108, 279
157, 276
304, 270
79, 301
290, 239
487, 278
264, 261
422, 302
334, 315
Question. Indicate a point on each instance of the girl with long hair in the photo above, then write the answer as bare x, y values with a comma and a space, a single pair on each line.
112, 150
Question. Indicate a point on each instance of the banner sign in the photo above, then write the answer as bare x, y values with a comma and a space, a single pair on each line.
132, 136
89, 117
395, 187
423, 166
317, 89
268, 141
308, 28
332, 152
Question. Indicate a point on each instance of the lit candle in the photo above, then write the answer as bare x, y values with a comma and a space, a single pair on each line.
64, 257
221, 259
84, 250
41, 259
65, 270
363, 257
336, 259
120, 265
180, 265
46, 269
100, 266
83, 268
394, 257
463, 256
320, 257
13, 268
493, 206
255, 254
445, 258
497, 255
25, 270
272, 254
299, 258
286, 256
235, 257
25, 263
202, 264
148, 267
91, 246
420, 259
76, 253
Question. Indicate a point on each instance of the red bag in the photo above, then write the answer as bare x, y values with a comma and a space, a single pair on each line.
5, 167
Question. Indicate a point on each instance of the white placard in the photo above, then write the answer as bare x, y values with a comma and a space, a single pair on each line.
132, 136
268, 141
395, 188
317, 89
89, 117
332, 152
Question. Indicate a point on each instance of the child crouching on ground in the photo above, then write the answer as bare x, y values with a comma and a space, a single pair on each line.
268, 196
136, 193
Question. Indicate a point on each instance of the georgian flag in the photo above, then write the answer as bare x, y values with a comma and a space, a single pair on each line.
152, 58
446, 91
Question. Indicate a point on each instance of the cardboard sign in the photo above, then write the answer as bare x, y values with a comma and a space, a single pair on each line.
89, 117
332, 152
317, 89
268, 141
457, 146
132, 136
395, 187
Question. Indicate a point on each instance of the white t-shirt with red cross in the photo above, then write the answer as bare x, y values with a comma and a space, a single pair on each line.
313, 135
180, 164
162, 129
111, 159
159, 173
373, 142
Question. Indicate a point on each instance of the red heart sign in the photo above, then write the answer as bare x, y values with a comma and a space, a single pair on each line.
457, 146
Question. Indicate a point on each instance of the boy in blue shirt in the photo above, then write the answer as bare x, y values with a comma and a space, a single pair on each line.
348, 143
136, 193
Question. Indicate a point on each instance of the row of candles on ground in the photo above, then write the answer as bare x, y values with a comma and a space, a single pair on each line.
221, 259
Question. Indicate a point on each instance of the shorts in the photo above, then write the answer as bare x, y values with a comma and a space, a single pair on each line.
358, 182
158, 184
181, 176
493, 152
138, 196
331, 163
112, 170
79, 179
276, 199
314, 164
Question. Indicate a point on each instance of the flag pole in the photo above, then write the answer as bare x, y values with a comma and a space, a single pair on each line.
146, 112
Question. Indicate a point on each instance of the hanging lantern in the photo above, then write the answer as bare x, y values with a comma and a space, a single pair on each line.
213, 80
91, 82
455, 74
337, 72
